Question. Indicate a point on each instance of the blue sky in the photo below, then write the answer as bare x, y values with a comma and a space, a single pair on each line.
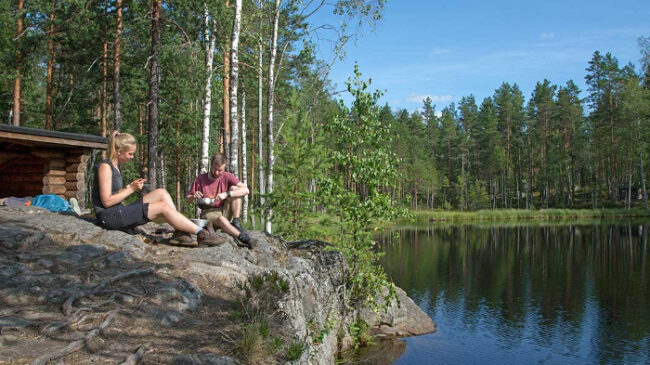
447, 50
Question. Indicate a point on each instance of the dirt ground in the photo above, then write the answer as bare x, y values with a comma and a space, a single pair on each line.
58, 292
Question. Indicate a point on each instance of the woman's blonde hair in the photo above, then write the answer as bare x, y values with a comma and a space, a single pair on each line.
119, 141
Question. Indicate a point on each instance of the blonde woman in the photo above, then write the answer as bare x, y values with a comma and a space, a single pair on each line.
108, 197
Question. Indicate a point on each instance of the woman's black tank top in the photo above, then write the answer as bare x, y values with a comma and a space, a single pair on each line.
116, 185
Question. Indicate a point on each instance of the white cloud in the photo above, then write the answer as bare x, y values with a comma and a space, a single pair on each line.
549, 35
438, 51
434, 98
438, 113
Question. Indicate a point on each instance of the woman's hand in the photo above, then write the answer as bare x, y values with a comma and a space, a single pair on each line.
137, 184
198, 195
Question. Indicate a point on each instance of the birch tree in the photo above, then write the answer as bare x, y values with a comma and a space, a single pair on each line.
224, 144
260, 106
270, 158
243, 156
234, 83
210, 40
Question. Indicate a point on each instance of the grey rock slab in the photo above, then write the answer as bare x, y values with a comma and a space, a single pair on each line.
119, 240
49, 253
405, 319
203, 359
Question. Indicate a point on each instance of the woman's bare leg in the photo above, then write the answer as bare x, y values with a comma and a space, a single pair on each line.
159, 195
161, 203
172, 216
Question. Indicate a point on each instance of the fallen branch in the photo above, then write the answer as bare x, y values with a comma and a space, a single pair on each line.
67, 306
77, 345
136, 357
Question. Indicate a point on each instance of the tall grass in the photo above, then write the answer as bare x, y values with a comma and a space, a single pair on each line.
522, 214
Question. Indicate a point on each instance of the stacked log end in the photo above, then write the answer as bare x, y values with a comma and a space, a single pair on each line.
65, 173
75, 176
54, 176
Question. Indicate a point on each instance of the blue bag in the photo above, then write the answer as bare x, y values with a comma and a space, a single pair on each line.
51, 202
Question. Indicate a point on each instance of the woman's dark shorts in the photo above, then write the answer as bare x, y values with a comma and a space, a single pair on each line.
121, 217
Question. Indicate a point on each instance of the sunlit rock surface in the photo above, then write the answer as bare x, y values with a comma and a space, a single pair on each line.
63, 278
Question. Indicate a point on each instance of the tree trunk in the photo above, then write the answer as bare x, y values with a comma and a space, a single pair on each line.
19, 64
117, 124
629, 180
244, 175
260, 103
177, 157
271, 142
415, 193
642, 173
153, 95
140, 132
234, 84
210, 39
51, 62
224, 144
162, 170
251, 194
103, 105
612, 155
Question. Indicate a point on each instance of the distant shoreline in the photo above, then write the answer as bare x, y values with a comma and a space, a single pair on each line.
527, 215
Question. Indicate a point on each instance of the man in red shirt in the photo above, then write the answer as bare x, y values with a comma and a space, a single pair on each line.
226, 190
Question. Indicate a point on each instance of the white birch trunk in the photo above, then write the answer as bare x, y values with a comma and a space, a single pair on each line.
207, 100
244, 175
234, 81
161, 171
260, 105
270, 155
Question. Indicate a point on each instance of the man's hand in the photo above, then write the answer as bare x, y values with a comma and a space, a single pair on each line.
222, 196
194, 197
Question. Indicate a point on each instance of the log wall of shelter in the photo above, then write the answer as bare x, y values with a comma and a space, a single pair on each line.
21, 175
42, 170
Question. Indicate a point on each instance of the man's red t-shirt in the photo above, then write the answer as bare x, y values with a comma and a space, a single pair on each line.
210, 188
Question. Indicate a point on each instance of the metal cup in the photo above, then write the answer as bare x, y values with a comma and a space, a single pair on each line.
205, 203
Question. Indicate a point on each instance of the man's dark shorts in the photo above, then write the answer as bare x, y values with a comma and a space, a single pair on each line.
122, 217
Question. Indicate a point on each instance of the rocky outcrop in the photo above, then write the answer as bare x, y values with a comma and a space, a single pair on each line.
68, 284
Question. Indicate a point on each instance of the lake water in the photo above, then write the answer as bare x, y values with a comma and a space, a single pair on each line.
560, 294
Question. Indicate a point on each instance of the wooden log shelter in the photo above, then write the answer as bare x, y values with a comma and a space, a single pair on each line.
36, 161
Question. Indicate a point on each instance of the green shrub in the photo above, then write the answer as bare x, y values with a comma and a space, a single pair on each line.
360, 333
294, 350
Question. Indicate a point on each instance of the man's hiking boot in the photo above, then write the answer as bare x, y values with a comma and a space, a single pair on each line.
245, 240
180, 238
208, 238
237, 224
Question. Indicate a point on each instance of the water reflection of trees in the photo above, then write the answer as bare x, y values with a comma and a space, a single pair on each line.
543, 281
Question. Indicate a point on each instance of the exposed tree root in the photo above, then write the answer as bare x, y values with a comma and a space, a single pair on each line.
67, 306
74, 318
136, 357
77, 345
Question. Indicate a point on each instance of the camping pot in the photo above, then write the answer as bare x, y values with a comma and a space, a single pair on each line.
205, 203
200, 222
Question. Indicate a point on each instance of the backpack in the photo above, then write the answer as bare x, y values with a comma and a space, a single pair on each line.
51, 202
